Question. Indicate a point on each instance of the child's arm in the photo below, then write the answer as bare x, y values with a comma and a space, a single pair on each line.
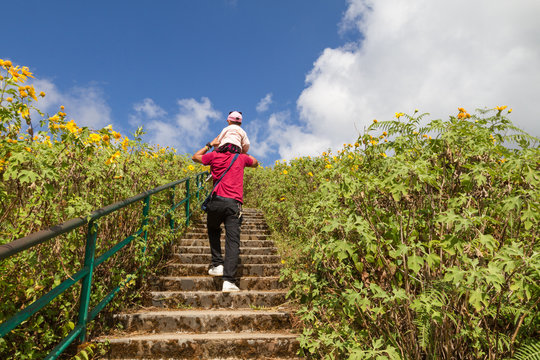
245, 148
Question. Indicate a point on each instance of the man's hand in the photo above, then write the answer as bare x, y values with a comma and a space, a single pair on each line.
255, 162
197, 157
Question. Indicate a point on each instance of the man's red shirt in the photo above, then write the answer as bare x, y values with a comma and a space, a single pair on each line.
232, 184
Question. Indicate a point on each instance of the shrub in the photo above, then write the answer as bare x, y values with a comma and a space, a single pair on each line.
416, 242
56, 171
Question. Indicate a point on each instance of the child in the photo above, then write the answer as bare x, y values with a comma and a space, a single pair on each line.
233, 138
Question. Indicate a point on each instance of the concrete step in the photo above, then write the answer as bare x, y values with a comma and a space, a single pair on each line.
204, 235
215, 283
246, 224
201, 321
245, 214
216, 299
206, 250
207, 258
243, 269
242, 230
196, 320
245, 220
243, 243
204, 346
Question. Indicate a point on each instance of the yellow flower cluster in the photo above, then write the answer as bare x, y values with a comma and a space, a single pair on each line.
17, 73
94, 138
72, 127
6, 64
463, 114
112, 158
125, 143
24, 111
27, 90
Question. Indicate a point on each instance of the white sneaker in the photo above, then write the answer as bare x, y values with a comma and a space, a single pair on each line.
216, 270
229, 286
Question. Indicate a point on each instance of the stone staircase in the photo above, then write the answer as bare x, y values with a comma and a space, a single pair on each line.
190, 318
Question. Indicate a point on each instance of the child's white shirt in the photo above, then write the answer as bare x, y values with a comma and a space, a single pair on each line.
233, 134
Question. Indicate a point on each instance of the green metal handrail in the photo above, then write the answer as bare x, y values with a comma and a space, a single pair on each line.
90, 260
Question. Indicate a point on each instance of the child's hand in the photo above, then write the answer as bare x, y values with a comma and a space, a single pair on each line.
214, 142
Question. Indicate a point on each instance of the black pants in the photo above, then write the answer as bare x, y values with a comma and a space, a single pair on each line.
228, 211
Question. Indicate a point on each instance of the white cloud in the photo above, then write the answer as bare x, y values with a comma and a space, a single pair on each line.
431, 55
187, 128
149, 109
145, 112
258, 147
193, 118
162, 133
265, 102
279, 136
86, 105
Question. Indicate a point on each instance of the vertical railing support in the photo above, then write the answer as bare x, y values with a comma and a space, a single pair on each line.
198, 179
187, 202
171, 217
86, 287
146, 211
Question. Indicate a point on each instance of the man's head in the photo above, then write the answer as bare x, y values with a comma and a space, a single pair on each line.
235, 117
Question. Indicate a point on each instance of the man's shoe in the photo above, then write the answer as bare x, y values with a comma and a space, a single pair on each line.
216, 270
229, 286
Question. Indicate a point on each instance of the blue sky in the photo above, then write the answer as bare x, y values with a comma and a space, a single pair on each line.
307, 74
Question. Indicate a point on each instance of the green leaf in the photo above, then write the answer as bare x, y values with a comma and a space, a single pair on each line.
84, 354
415, 263
529, 217
433, 259
475, 299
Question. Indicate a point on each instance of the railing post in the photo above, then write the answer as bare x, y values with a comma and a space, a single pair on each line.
187, 202
86, 287
146, 210
198, 179
171, 217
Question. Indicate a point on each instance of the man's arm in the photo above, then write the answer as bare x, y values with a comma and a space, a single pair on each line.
197, 157
255, 162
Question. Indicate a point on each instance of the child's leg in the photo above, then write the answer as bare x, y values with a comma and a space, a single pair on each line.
229, 148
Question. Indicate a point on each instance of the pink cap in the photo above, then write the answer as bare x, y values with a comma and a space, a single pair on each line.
235, 116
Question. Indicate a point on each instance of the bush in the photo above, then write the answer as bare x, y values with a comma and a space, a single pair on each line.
57, 171
416, 242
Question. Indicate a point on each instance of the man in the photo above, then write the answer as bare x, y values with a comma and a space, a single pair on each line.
226, 208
